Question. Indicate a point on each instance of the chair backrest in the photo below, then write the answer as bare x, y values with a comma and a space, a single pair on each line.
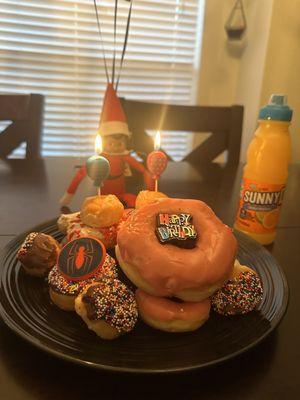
26, 113
224, 123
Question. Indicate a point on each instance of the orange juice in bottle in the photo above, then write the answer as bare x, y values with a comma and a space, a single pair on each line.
265, 172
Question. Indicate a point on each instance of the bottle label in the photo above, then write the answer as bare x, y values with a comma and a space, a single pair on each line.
259, 206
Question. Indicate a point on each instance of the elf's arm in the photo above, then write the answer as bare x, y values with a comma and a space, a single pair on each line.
67, 197
134, 163
149, 182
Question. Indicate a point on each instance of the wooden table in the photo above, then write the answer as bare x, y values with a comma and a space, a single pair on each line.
29, 195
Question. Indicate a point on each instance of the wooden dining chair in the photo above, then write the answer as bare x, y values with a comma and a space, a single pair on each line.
224, 123
25, 111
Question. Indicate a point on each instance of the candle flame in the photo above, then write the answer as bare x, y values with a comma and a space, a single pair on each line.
157, 141
98, 144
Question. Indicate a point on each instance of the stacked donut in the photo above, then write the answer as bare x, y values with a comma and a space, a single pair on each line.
175, 284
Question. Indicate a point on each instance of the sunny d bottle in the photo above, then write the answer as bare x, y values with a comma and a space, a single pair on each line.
266, 172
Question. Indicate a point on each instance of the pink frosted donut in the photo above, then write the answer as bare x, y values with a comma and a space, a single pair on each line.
170, 316
167, 270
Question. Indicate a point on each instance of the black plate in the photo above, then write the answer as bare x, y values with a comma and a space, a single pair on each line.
26, 309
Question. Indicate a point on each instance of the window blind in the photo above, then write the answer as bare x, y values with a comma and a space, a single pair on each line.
52, 47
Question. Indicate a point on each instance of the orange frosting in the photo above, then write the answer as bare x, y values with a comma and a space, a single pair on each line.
166, 310
170, 269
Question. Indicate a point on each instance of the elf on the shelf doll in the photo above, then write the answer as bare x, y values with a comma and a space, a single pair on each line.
114, 131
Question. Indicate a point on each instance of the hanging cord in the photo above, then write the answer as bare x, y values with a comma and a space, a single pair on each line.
243, 12
238, 5
115, 34
101, 39
125, 43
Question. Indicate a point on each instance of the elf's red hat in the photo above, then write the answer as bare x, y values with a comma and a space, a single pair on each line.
112, 120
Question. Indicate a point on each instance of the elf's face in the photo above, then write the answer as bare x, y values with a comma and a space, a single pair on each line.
114, 143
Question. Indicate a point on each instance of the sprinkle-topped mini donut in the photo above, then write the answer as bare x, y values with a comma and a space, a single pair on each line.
108, 308
241, 294
63, 292
27, 244
38, 253
126, 214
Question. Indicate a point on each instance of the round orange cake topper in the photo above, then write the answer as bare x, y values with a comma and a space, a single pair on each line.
81, 258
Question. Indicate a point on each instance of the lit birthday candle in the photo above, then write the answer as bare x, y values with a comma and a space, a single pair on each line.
157, 141
97, 167
157, 161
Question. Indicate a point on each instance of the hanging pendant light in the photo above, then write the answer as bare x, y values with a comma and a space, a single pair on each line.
236, 24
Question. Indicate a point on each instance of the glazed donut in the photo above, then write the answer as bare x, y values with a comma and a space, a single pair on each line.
38, 254
64, 292
241, 294
101, 211
148, 197
108, 308
170, 271
170, 316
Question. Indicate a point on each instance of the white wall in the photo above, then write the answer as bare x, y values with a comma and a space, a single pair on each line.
218, 69
252, 64
282, 66
247, 72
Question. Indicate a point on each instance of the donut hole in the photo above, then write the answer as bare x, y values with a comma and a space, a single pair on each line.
176, 300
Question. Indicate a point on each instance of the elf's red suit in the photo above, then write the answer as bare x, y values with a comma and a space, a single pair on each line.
115, 184
114, 130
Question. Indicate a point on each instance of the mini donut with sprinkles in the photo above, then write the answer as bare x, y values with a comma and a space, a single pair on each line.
241, 294
108, 308
63, 292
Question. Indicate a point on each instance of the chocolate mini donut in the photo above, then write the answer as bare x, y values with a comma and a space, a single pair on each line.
241, 294
38, 253
64, 292
108, 308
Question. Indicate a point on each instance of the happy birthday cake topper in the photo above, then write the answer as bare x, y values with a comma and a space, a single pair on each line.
81, 258
176, 229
